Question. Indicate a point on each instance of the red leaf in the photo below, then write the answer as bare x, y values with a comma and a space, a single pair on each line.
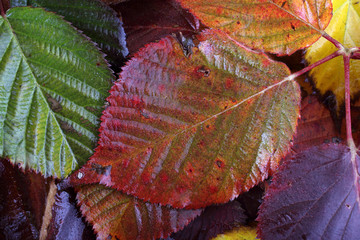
115, 214
314, 196
193, 131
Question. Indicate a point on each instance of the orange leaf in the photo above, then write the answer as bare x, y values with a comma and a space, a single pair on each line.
277, 26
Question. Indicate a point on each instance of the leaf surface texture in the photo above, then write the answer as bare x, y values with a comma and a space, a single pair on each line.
52, 90
277, 26
194, 131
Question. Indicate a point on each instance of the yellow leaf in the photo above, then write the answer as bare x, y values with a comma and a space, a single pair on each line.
241, 233
344, 27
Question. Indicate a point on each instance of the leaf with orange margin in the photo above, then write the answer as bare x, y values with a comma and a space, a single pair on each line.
277, 26
120, 216
314, 195
329, 76
191, 132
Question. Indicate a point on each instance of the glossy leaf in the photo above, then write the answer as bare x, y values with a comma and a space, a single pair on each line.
276, 26
52, 90
147, 21
193, 131
329, 76
120, 216
213, 221
315, 126
241, 233
314, 196
95, 19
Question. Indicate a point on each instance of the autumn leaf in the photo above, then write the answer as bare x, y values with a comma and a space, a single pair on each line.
147, 21
119, 216
214, 220
190, 132
315, 126
315, 195
52, 89
329, 76
240, 233
276, 26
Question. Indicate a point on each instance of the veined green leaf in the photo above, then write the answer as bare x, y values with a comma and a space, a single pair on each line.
97, 20
53, 83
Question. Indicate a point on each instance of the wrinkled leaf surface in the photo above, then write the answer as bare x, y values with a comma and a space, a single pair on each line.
120, 216
193, 131
276, 26
314, 196
52, 90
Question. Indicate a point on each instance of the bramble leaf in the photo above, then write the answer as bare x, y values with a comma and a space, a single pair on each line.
315, 195
315, 126
214, 220
147, 21
329, 76
95, 19
276, 26
193, 131
115, 214
52, 89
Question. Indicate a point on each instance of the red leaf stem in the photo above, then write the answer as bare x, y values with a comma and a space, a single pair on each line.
333, 41
349, 137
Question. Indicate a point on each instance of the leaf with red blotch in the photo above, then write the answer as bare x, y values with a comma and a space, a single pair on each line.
315, 126
193, 131
277, 26
315, 195
146, 21
213, 221
120, 216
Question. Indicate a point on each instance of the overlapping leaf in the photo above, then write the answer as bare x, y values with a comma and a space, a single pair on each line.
147, 21
115, 214
344, 27
194, 131
276, 26
315, 196
315, 126
95, 19
52, 90
213, 221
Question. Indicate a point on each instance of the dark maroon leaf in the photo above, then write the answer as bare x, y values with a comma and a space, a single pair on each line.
66, 222
213, 221
22, 202
315, 125
146, 21
315, 195
251, 200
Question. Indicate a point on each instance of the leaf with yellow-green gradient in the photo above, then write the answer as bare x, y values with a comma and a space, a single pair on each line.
241, 233
344, 27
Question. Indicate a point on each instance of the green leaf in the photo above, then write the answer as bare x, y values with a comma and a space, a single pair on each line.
97, 20
53, 83
198, 130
